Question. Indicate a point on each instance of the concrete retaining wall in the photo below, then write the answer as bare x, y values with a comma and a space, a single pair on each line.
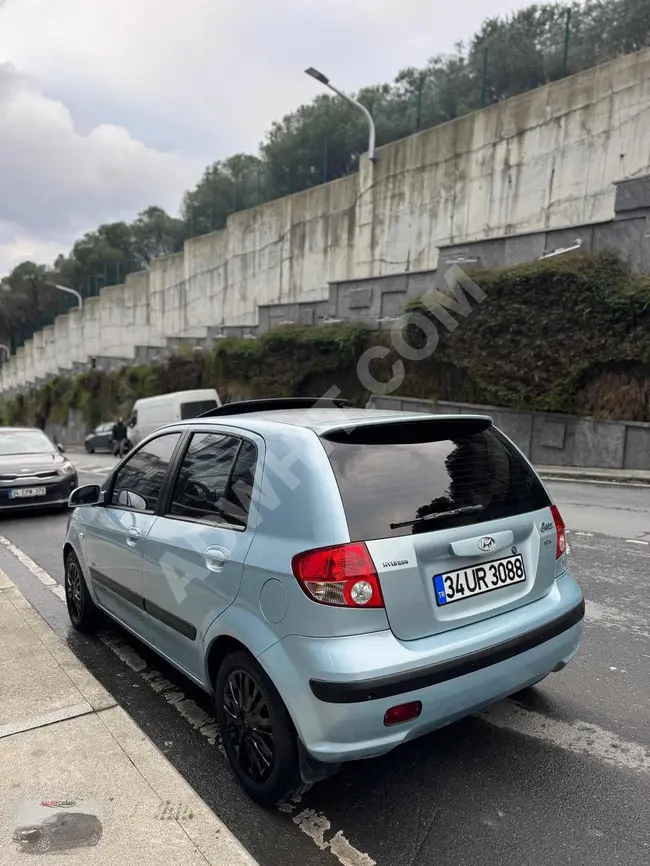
550, 439
546, 160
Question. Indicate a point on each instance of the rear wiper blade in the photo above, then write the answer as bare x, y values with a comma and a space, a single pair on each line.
439, 515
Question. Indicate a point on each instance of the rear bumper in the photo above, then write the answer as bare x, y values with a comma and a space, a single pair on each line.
338, 706
442, 672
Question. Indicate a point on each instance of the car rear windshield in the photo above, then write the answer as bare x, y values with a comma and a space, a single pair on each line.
398, 473
198, 407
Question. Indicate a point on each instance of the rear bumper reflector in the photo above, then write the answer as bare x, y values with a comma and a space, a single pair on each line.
387, 687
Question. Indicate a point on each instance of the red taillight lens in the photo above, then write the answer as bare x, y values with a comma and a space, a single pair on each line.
344, 576
560, 547
403, 713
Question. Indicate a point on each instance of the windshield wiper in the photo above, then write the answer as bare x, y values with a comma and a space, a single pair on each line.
439, 515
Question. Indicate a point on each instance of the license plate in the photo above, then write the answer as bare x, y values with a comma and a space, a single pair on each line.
477, 579
27, 492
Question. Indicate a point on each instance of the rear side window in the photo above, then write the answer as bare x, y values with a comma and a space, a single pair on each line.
429, 475
212, 483
196, 408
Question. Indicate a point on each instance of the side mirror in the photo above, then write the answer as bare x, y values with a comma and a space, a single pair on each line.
89, 494
60, 448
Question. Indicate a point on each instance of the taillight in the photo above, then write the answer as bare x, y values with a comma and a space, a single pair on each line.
560, 546
343, 575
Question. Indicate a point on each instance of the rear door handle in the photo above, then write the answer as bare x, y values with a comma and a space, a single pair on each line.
133, 535
216, 558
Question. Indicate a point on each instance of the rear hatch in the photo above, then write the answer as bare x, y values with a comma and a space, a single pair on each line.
457, 523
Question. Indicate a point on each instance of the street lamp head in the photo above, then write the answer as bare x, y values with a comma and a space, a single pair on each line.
314, 73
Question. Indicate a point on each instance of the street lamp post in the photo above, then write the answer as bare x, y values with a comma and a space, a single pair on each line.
62, 289
576, 246
71, 292
314, 73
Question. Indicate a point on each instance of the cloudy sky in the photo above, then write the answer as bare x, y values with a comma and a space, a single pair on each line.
107, 106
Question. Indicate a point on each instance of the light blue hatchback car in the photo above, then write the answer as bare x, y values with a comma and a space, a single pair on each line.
341, 580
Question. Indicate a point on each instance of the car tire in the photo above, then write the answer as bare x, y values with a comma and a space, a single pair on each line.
84, 614
90, 449
276, 732
43, 845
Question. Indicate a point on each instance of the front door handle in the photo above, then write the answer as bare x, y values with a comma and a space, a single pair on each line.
216, 558
133, 535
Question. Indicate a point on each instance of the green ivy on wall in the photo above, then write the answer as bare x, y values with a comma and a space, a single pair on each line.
568, 334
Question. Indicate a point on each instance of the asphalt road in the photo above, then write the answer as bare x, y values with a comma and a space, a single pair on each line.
561, 774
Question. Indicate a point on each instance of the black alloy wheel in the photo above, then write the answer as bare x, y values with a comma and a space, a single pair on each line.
82, 611
258, 734
248, 726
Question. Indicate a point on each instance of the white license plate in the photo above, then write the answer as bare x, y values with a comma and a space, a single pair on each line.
477, 579
27, 492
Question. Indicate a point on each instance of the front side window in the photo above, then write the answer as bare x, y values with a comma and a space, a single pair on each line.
214, 468
139, 482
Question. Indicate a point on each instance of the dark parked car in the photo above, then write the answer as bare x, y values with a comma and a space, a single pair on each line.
33, 472
62, 831
101, 439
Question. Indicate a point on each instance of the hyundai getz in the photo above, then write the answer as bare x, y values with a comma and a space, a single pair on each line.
340, 580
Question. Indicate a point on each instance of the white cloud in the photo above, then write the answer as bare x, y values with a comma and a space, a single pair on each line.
56, 182
227, 69
16, 246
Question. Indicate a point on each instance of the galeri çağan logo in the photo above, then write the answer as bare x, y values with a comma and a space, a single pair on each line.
59, 804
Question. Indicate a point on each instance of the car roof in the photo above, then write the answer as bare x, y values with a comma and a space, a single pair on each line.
321, 421
21, 430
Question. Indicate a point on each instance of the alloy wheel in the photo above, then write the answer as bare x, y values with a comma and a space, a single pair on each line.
44, 843
248, 726
73, 589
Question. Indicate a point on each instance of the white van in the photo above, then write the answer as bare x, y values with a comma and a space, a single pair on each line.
150, 413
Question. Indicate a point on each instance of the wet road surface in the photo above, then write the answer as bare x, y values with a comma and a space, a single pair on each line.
561, 774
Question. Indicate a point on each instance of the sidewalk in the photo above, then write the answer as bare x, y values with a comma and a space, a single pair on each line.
603, 476
65, 743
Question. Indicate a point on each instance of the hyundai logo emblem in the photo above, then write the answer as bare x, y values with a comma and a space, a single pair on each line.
486, 543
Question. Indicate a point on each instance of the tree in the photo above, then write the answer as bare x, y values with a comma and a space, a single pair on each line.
227, 186
155, 234
27, 299
105, 256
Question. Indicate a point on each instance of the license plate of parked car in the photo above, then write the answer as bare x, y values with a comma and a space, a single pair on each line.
27, 492
467, 582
